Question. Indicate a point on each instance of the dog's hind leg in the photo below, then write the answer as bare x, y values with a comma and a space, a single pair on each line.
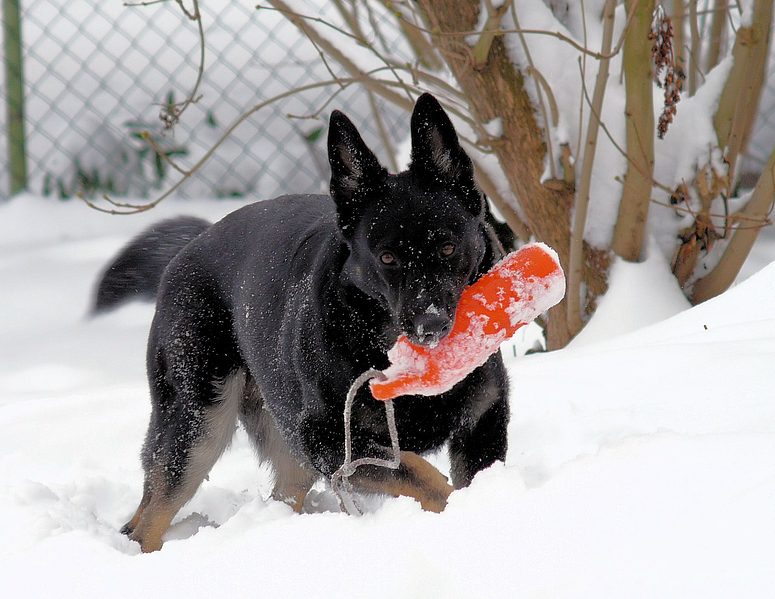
292, 480
183, 443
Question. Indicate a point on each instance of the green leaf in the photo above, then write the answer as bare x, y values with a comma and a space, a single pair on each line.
314, 135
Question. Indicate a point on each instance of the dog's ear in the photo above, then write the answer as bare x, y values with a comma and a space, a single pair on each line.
355, 171
437, 155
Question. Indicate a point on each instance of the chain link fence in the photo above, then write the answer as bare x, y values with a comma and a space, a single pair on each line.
98, 73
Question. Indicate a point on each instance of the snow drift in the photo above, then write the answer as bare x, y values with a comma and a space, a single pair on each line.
640, 463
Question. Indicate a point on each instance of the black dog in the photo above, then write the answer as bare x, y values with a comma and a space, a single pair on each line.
269, 315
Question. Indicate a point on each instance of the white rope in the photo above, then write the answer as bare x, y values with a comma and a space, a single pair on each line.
340, 479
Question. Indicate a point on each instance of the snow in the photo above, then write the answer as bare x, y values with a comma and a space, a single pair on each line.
640, 461
687, 146
640, 456
622, 309
690, 144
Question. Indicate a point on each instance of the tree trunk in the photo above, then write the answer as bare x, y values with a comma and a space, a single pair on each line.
755, 213
740, 98
720, 15
638, 73
496, 89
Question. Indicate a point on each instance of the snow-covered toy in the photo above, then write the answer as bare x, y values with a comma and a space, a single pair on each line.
513, 293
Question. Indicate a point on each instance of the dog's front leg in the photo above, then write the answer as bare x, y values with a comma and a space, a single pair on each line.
415, 477
322, 438
472, 449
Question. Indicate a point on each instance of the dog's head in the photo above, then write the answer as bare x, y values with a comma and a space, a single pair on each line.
416, 239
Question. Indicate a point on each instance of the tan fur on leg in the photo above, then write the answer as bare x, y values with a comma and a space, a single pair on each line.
153, 523
415, 478
161, 501
154, 514
292, 480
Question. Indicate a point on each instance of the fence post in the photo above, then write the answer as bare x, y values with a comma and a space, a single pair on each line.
14, 79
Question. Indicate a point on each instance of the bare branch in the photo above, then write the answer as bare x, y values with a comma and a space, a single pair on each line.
127, 209
540, 79
301, 22
171, 113
423, 49
521, 230
149, 3
383, 131
164, 155
582, 196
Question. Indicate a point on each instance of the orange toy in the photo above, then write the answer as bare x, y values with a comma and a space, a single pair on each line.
519, 288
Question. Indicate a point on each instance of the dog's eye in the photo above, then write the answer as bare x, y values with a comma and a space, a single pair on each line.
447, 250
387, 258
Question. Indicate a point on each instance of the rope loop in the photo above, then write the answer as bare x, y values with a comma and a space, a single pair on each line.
340, 480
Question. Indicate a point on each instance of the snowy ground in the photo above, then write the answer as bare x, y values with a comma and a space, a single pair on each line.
641, 463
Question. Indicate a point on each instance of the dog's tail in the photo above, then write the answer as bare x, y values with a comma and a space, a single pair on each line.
136, 272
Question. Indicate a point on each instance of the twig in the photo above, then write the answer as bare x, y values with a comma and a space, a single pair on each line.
149, 3
618, 147
147, 137
341, 82
136, 208
731, 219
193, 16
521, 230
383, 131
582, 197
176, 110
549, 94
423, 49
171, 114
301, 22
547, 125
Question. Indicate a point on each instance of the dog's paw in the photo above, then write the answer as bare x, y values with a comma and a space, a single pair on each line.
426, 484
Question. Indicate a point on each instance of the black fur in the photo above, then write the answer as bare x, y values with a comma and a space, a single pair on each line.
295, 293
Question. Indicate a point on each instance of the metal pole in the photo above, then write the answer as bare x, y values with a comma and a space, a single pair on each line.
14, 79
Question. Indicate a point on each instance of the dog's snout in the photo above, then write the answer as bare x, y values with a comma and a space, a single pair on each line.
430, 328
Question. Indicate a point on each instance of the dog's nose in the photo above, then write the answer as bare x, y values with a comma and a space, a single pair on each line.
430, 328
